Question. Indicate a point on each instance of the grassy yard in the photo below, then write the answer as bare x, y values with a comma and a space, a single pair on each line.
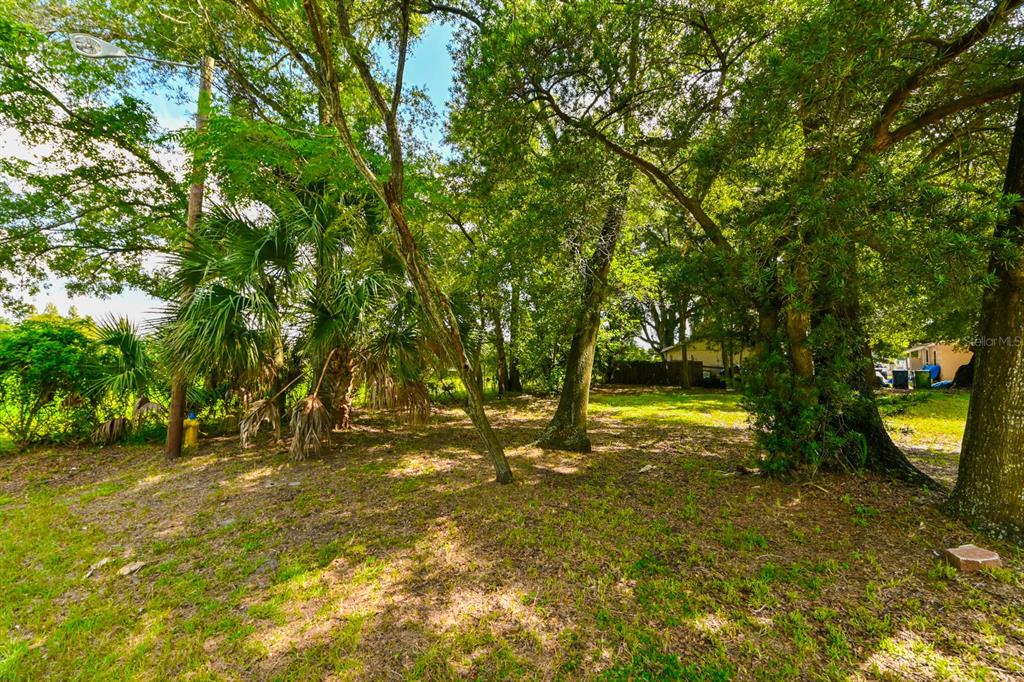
930, 426
395, 557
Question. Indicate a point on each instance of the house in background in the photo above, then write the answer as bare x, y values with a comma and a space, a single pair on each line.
707, 353
947, 356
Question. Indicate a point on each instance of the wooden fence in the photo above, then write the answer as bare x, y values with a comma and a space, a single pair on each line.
642, 373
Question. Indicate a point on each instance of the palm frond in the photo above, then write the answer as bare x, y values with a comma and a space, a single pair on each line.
129, 369
221, 327
311, 427
144, 406
110, 431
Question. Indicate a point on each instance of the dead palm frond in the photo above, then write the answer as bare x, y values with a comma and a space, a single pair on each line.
110, 431
311, 427
311, 421
260, 412
392, 365
144, 406
409, 399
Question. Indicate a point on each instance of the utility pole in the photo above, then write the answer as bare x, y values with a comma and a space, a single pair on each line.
179, 385
96, 48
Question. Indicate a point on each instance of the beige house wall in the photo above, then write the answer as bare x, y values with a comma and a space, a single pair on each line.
706, 352
948, 357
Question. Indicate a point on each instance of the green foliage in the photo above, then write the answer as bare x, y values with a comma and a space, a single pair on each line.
84, 195
46, 376
830, 164
60, 376
125, 356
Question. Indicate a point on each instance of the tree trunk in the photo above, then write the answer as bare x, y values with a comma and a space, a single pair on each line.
499, 348
337, 388
515, 381
798, 327
990, 480
684, 309
280, 379
444, 326
878, 452
568, 428
881, 453
179, 383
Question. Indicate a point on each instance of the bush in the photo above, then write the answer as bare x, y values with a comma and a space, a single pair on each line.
45, 375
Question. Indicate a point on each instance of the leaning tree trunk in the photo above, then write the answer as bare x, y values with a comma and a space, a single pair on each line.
444, 326
499, 347
990, 482
515, 380
568, 428
437, 310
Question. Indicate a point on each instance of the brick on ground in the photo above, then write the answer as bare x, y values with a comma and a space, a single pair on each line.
972, 558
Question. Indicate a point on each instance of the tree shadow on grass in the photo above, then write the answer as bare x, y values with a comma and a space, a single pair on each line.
395, 555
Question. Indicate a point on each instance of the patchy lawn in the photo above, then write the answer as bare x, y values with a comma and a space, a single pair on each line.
929, 424
396, 557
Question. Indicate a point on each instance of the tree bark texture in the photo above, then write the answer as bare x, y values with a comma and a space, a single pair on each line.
444, 325
337, 388
568, 427
515, 379
990, 482
499, 349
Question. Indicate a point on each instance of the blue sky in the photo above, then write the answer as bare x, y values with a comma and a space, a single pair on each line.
429, 67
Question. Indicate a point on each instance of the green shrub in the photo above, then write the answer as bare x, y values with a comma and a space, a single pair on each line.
45, 375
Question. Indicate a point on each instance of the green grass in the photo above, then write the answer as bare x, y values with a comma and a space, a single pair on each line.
932, 419
390, 554
695, 407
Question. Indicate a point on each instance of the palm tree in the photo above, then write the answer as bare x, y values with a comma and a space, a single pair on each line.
301, 278
127, 372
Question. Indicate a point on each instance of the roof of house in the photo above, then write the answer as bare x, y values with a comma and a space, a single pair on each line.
933, 344
690, 342
695, 343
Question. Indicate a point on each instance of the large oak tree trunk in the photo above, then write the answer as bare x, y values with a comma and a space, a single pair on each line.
990, 482
881, 453
876, 450
568, 428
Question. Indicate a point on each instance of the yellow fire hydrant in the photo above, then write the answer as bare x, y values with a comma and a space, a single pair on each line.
190, 438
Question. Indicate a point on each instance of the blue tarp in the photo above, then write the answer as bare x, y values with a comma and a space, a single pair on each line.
935, 371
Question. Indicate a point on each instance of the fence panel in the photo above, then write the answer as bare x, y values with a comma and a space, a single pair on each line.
644, 373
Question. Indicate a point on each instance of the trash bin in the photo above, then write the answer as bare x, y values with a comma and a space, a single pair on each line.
922, 378
901, 379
